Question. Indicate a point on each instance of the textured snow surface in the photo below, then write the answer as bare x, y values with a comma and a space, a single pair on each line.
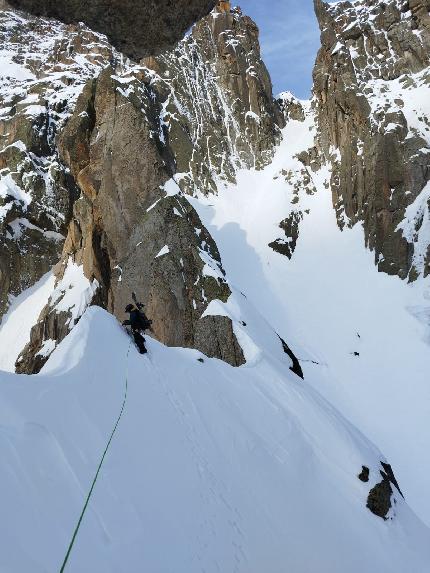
11, 70
28, 57
329, 302
212, 468
9, 189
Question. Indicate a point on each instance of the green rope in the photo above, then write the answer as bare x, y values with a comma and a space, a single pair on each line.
75, 533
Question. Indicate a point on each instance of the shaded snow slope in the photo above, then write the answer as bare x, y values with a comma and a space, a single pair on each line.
330, 302
22, 314
213, 468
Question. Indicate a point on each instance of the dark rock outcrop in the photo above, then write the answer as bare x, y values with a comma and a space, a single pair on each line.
379, 500
364, 475
215, 337
137, 28
290, 226
370, 73
295, 367
291, 107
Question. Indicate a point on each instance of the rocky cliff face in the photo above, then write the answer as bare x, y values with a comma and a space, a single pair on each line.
108, 177
44, 66
371, 84
142, 137
218, 109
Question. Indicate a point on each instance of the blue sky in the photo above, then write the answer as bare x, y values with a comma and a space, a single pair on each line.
289, 38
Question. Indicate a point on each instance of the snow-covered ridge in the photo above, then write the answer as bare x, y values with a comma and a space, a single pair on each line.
231, 469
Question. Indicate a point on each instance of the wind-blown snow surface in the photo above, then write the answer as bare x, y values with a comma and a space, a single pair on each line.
213, 468
329, 302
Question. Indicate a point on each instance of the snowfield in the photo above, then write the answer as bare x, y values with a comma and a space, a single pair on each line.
212, 468
329, 302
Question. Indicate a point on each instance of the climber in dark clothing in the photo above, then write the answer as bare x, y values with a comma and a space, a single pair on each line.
138, 322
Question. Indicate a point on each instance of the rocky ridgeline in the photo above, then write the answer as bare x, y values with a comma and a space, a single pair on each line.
140, 138
372, 88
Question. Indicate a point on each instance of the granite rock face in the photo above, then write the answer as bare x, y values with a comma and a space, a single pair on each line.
164, 22
218, 109
215, 337
371, 81
142, 138
132, 229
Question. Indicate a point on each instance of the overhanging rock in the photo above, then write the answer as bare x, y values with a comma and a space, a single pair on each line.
137, 28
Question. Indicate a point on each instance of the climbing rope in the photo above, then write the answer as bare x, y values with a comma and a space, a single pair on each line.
75, 533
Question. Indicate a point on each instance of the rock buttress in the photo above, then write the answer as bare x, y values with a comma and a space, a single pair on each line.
129, 231
371, 73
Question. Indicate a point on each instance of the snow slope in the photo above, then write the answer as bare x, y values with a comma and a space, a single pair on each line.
213, 468
329, 302
16, 324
